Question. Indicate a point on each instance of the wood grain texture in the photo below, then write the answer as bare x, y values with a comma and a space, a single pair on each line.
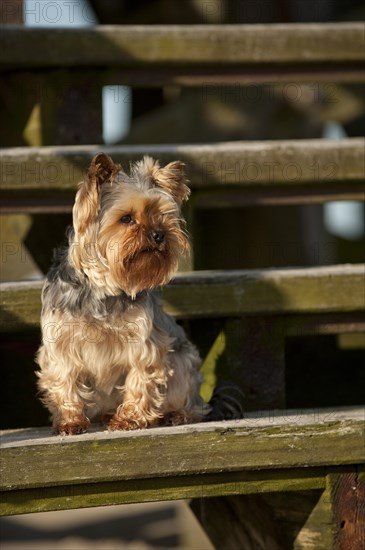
275, 291
165, 488
194, 45
348, 505
315, 164
251, 523
280, 439
224, 294
260, 445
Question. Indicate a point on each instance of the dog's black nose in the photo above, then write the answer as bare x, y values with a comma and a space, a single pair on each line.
158, 236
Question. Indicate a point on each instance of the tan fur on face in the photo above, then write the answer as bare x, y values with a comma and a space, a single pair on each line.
117, 257
135, 261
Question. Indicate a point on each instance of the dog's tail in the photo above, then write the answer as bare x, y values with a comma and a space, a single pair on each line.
226, 402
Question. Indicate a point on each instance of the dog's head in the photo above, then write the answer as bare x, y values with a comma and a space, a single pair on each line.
128, 228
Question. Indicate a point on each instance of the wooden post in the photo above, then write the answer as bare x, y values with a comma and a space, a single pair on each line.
254, 360
347, 492
238, 522
14, 106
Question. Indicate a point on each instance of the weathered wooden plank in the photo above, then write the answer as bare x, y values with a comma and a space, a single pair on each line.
157, 489
192, 45
20, 305
274, 291
33, 458
183, 450
315, 165
224, 294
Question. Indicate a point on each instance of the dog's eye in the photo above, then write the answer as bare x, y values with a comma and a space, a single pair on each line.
127, 219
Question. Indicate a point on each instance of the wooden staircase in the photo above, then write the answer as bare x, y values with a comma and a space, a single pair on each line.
259, 470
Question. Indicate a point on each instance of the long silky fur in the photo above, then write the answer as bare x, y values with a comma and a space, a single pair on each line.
108, 350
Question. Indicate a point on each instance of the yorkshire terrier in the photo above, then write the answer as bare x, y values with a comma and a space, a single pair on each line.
109, 351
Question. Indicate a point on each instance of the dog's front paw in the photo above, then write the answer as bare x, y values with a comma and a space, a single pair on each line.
175, 418
128, 417
71, 428
126, 424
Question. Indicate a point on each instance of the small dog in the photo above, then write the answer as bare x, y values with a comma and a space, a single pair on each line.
109, 351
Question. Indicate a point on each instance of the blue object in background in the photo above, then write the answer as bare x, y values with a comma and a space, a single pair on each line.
344, 219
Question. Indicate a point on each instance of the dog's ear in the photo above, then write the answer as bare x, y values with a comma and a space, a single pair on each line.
102, 169
172, 179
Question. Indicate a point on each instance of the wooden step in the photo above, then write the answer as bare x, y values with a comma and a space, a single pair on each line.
231, 53
239, 173
202, 294
264, 452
